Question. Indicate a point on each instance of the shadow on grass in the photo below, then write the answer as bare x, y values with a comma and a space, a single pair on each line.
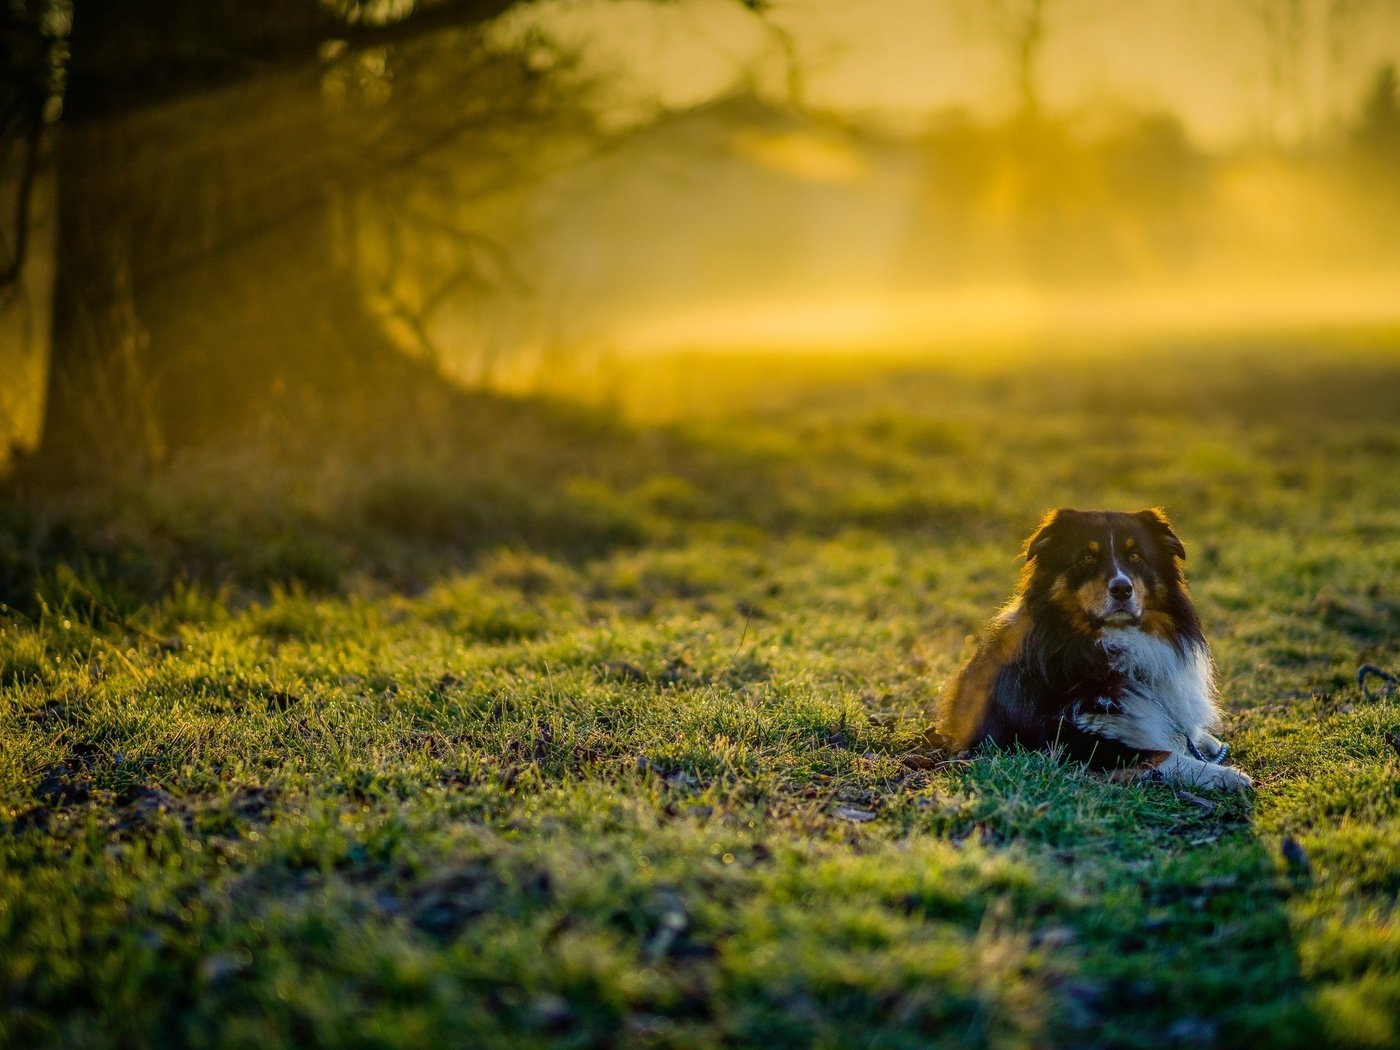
405, 488
401, 502
416, 496
1172, 926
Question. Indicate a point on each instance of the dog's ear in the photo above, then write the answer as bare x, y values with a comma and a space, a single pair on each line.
1044, 534
1156, 521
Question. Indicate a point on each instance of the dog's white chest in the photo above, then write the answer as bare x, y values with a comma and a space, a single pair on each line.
1179, 681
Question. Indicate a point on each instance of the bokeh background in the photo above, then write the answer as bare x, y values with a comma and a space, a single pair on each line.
217, 217
491, 492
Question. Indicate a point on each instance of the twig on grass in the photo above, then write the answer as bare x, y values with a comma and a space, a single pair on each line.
1392, 682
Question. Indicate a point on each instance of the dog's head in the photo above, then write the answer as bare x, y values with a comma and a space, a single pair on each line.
1105, 568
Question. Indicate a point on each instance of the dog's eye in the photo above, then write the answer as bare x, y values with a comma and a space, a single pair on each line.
1088, 558
1134, 556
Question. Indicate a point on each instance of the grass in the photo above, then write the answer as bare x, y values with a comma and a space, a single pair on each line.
539, 726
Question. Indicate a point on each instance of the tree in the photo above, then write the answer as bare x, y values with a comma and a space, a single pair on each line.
202, 276
1020, 27
31, 60
218, 167
1342, 22
1378, 130
1282, 26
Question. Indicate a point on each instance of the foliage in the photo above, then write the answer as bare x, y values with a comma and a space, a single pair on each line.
1378, 129
538, 727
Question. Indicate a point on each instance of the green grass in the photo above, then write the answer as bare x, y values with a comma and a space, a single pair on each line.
533, 726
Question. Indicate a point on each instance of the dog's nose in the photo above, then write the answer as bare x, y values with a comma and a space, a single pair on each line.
1121, 588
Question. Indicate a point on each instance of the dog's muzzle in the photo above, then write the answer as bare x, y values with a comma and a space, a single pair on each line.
1122, 609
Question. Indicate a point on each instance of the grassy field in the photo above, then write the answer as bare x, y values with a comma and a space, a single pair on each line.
593, 726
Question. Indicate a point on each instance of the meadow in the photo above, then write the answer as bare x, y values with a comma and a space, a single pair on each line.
604, 722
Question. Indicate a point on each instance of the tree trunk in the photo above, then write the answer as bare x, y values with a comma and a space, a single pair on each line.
199, 286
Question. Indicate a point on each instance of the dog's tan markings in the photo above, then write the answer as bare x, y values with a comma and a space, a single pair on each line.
1077, 603
1009, 645
1082, 605
1159, 625
970, 692
1094, 546
1155, 620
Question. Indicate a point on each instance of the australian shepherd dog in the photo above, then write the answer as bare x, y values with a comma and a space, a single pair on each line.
1099, 653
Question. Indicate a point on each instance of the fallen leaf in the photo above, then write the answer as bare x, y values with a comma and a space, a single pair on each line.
860, 816
1205, 805
936, 741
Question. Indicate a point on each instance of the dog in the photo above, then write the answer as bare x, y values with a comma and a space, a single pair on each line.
1099, 653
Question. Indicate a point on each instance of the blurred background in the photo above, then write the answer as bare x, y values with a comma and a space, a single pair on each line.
223, 216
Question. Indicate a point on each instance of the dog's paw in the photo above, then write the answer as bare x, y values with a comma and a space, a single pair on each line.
1228, 778
1187, 772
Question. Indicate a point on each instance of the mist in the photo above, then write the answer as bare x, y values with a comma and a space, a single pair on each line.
533, 198
904, 177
